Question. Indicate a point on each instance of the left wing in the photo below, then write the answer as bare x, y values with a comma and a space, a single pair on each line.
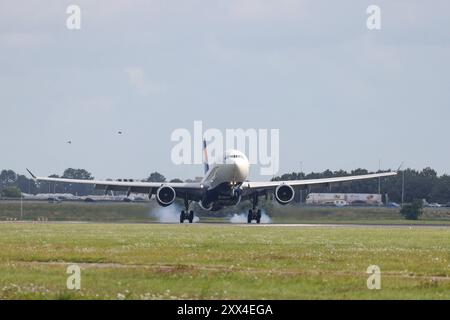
312, 182
194, 189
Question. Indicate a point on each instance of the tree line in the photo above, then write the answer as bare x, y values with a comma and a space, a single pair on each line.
424, 184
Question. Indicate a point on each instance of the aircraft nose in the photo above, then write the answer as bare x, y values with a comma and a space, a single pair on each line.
240, 171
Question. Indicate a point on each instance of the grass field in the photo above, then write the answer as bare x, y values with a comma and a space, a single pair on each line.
145, 212
210, 261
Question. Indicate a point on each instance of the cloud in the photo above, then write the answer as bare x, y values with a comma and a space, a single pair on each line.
137, 80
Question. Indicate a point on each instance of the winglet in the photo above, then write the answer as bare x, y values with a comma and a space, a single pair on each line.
34, 177
400, 167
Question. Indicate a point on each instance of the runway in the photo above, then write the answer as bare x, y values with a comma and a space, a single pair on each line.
330, 225
253, 225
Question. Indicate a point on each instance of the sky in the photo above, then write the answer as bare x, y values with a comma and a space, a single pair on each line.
341, 95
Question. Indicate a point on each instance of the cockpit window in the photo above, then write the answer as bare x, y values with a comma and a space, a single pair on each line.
234, 156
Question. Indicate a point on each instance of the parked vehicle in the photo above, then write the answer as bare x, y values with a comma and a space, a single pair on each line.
340, 203
54, 200
434, 205
393, 205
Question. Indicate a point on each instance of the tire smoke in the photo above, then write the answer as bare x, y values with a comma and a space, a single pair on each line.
170, 214
242, 218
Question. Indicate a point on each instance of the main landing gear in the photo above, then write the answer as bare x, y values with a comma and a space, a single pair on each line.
254, 214
186, 214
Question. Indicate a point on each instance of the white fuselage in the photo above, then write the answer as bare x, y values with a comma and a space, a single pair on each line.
233, 170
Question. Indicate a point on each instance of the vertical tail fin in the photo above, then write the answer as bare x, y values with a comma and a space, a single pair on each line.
205, 157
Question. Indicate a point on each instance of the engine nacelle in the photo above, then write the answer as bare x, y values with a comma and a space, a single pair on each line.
284, 194
205, 205
165, 196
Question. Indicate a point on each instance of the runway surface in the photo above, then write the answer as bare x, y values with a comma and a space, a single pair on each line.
253, 225
328, 225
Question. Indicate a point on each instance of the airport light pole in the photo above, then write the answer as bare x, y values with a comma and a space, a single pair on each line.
379, 178
403, 187
21, 205
301, 190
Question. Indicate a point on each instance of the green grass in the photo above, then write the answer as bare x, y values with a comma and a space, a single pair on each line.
355, 215
143, 212
151, 261
76, 211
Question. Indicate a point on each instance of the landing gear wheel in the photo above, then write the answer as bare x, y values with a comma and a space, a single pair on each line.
191, 216
258, 216
182, 216
254, 214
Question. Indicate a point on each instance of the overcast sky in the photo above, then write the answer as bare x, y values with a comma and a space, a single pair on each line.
342, 96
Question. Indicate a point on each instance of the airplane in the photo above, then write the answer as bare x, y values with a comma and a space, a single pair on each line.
224, 184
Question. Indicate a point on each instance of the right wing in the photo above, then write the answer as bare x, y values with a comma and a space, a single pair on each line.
194, 189
312, 182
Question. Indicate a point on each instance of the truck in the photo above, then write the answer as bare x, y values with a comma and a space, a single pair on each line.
343, 199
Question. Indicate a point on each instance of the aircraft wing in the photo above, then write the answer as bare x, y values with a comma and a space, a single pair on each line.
193, 189
312, 182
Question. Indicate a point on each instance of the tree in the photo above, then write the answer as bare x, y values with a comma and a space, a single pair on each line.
176, 180
11, 192
441, 190
156, 177
7, 178
412, 211
71, 173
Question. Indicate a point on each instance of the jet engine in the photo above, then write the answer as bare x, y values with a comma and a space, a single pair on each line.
284, 194
165, 196
206, 205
